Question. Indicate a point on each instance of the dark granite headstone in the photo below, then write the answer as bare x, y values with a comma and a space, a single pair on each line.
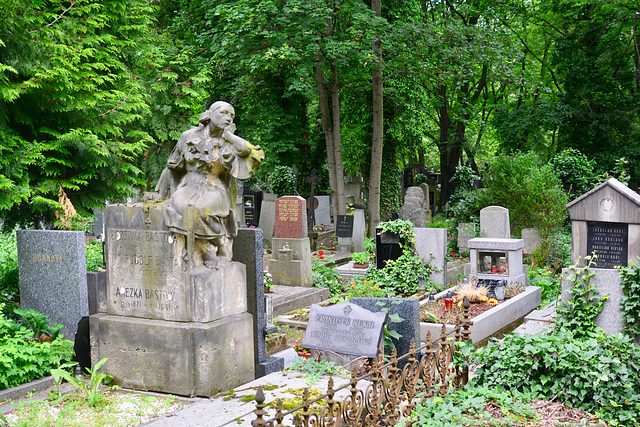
386, 251
252, 202
53, 275
248, 249
344, 226
610, 241
344, 328
407, 308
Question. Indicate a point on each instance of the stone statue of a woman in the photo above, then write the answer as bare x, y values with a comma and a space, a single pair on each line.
199, 183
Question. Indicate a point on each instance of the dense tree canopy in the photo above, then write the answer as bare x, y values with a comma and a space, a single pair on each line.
94, 94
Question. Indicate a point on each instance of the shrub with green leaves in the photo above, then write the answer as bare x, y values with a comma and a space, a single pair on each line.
598, 374
577, 173
9, 285
282, 181
24, 357
95, 259
467, 407
401, 276
530, 190
630, 301
549, 282
578, 363
326, 277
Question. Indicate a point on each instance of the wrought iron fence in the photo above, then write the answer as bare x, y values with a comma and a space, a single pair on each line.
393, 392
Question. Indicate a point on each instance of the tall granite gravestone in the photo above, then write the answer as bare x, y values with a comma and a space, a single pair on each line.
605, 220
291, 263
466, 231
175, 316
427, 201
268, 217
414, 209
323, 211
53, 275
248, 250
494, 223
431, 246
532, 239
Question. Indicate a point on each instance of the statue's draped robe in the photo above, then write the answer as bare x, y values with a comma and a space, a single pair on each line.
200, 180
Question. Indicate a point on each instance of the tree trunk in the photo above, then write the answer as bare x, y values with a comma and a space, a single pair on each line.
323, 102
340, 208
378, 131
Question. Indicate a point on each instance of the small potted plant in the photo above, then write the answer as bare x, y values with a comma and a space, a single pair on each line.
305, 353
360, 259
268, 282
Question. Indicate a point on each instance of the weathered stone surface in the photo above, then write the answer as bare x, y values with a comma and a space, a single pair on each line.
268, 217
344, 328
189, 359
198, 185
413, 208
494, 223
407, 308
359, 231
147, 274
291, 217
292, 266
606, 282
532, 240
466, 231
53, 275
323, 211
431, 245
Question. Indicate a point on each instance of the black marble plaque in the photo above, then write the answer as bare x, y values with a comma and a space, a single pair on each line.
344, 226
252, 201
386, 251
344, 328
610, 241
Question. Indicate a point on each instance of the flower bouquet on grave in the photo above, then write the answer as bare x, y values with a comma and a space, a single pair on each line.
268, 282
305, 353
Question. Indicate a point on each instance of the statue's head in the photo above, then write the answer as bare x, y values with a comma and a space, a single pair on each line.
219, 115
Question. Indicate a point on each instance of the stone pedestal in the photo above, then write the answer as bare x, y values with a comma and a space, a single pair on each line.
164, 325
291, 266
184, 358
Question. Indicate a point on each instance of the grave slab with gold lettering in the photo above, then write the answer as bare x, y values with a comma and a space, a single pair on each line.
53, 275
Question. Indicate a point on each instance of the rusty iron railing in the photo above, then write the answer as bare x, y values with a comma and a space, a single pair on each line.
393, 392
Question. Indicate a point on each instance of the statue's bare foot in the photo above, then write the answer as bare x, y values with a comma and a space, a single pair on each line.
211, 259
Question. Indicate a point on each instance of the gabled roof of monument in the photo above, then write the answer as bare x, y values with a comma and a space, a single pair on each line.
611, 201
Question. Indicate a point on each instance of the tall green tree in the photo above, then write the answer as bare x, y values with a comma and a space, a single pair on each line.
78, 81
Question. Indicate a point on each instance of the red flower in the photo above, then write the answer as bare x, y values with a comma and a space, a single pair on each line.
321, 257
452, 252
320, 253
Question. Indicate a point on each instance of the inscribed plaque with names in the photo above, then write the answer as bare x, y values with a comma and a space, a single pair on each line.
610, 241
344, 226
344, 328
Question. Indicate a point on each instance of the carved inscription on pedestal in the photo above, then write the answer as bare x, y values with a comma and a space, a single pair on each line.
145, 274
